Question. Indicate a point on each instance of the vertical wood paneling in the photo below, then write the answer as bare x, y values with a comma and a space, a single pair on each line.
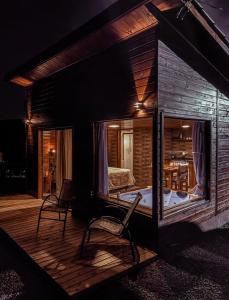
183, 93
103, 87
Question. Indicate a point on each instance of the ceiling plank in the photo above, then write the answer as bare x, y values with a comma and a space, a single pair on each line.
123, 24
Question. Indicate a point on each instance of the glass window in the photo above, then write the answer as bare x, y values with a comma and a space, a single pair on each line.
125, 160
184, 167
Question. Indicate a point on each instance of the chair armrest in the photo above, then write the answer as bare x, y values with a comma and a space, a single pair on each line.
110, 218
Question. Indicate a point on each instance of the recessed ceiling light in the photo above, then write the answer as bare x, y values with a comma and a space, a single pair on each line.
114, 126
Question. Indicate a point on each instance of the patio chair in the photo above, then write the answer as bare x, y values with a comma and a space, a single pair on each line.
59, 205
115, 226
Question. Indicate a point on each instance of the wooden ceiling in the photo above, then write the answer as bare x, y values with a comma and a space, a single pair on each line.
113, 31
131, 123
171, 123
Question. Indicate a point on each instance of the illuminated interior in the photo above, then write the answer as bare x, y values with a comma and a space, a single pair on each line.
56, 159
130, 168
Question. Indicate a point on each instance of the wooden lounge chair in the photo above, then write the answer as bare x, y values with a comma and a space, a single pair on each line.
60, 205
114, 226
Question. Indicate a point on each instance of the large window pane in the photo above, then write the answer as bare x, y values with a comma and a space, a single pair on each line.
128, 161
184, 169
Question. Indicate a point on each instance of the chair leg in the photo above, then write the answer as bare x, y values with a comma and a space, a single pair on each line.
38, 223
131, 245
65, 221
85, 236
134, 249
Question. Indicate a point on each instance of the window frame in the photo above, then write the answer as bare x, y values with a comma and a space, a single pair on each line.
107, 197
208, 166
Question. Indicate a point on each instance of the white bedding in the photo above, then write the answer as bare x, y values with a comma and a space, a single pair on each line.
120, 178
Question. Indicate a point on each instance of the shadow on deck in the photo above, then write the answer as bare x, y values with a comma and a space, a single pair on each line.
106, 257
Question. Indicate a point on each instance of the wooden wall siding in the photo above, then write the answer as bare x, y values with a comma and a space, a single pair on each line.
183, 93
223, 153
32, 160
113, 148
104, 87
31, 149
142, 160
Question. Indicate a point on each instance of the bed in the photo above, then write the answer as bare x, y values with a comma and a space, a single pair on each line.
170, 199
120, 178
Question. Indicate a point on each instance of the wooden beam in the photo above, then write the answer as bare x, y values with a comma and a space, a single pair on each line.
120, 21
209, 29
158, 14
22, 81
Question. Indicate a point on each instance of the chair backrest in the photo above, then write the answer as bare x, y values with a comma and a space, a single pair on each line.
131, 209
66, 192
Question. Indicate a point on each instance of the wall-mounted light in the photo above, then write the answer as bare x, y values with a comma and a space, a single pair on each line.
114, 126
185, 126
28, 122
138, 106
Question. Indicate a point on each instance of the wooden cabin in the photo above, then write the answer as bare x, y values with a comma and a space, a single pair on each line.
135, 100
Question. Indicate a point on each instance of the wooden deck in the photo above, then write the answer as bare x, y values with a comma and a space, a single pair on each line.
106, 256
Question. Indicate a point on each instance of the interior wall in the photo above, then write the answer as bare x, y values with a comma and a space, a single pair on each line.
182, 146
167, 143
113, 147
49, 142
171, 143
142, 164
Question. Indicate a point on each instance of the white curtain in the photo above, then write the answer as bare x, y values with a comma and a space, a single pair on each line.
63, 157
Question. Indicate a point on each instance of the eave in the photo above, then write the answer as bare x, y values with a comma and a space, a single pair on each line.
120, 21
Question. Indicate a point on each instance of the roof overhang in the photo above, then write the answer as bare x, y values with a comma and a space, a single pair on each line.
119, 22
196, 47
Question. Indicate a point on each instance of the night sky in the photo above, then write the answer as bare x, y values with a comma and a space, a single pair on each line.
28, 27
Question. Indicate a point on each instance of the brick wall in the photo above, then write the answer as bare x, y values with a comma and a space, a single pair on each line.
173, 144
143, 156
112, 147
167, 143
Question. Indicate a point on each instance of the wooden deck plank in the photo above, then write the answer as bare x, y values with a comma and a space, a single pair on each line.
105, 256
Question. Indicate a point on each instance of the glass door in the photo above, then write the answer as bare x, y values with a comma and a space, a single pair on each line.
55, 160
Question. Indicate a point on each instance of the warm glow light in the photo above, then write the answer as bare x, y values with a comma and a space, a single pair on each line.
138, 105
114, 126
28, 122
186, 126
